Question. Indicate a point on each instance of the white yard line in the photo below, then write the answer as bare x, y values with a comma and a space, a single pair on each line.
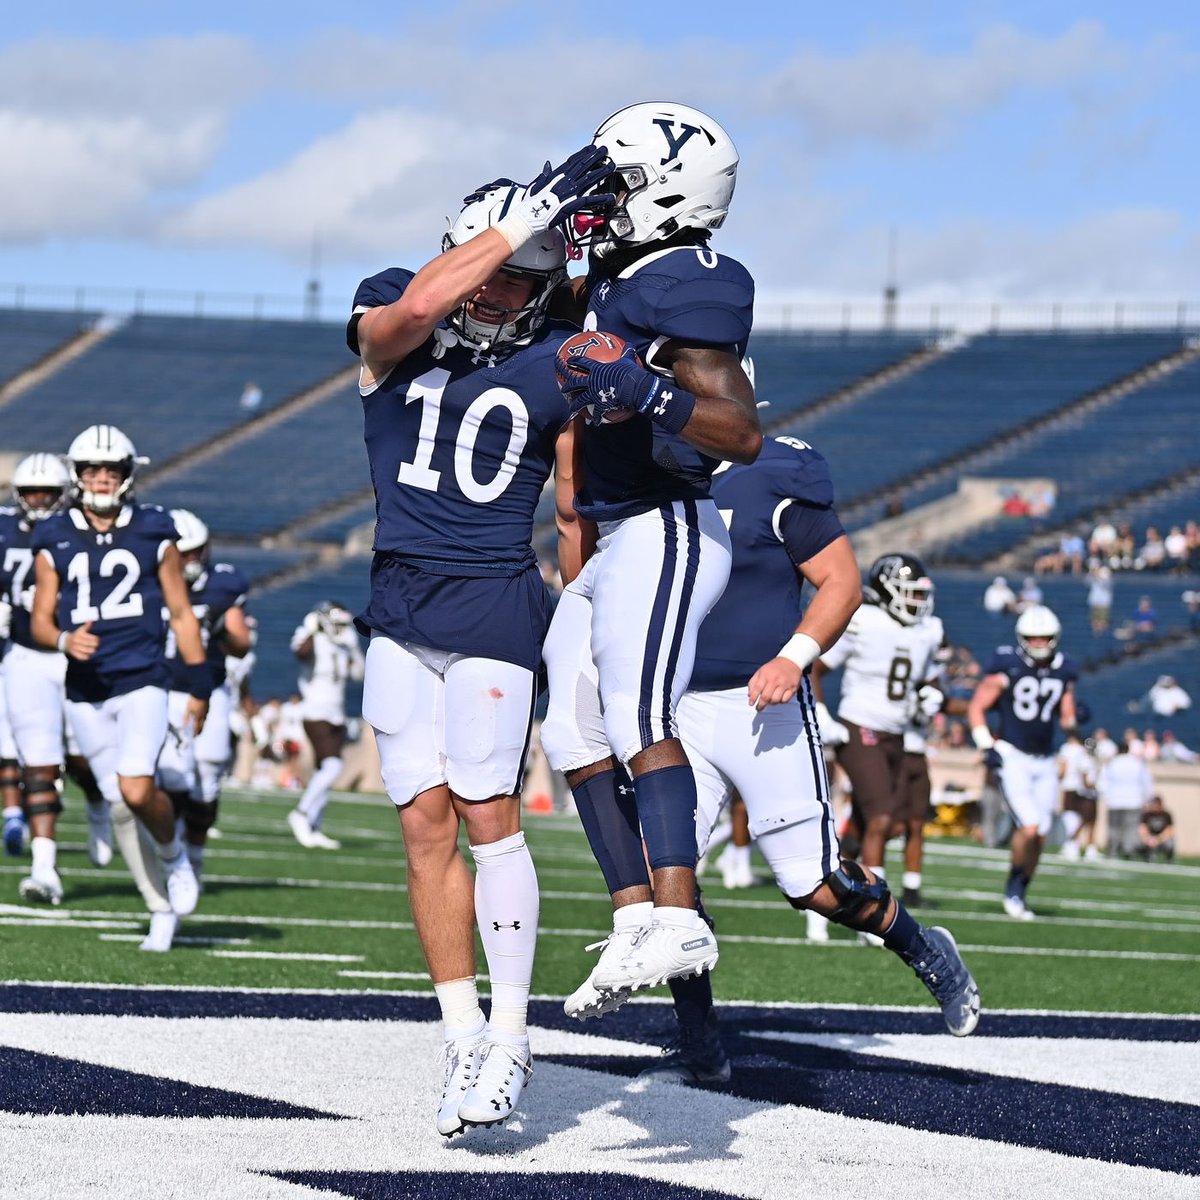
283, 954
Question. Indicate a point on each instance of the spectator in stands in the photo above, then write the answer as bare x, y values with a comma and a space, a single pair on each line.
1030, 595
1103, 747
999, 598
1125, 788
1191, 602
1165, 699
1153, 554
1100, 544
1150, 746
1174, 751
1191, 531
1042, 501
1067, 556
1132, 742
1156, 832
1143, 625
1176, 545
1124, 548
1100, 598
1013, 504
251, 397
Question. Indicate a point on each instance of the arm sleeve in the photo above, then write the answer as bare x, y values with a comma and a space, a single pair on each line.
806, 531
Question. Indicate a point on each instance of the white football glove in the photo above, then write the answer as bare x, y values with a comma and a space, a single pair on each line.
833, 733
311, 623
929, 701
555, 195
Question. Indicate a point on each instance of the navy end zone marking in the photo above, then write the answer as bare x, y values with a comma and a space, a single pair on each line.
46, 1085
635, 1022
441, 1185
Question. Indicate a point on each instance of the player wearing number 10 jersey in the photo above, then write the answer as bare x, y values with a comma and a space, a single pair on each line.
1031, 686
463, 423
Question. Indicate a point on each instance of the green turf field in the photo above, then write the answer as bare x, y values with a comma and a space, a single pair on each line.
1109, 936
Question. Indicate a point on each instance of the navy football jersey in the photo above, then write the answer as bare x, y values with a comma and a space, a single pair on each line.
693, 295
460, 443
16, 572
1028, 706
111, 580
779, 511
221, 587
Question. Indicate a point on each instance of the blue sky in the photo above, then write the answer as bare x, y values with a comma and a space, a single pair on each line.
1020, 152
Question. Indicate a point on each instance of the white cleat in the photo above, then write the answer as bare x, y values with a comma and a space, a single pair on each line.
587, 1000
1014, 906
869, 939
99, 834
503, 1074
302, 831
460, 1061
183, 888
44, 886
816, 927
320, 841
659, 951
743, 874
162, 932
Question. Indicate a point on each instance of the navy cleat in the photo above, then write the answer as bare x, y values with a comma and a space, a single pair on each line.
14, 834
693, 1056
938, 965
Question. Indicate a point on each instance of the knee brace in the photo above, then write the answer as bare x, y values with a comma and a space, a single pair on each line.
855, 894
10, 773
198, 816
42, 797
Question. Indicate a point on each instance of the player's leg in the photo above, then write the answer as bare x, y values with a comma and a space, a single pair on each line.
99, 817
214, 756
403, 700
576, 743
142, 724
915, 793
305, 819
1017, 778
489, 723
661, 574
16, 832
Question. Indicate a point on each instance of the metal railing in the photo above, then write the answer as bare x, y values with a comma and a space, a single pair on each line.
850, 316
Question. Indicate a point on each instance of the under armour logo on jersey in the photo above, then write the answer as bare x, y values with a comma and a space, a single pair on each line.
661, 406
602, 291
104, 539
497, 926
481, 356
674, 144
624, 791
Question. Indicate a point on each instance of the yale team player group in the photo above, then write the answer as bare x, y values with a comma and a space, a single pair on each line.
683, 665
678, 655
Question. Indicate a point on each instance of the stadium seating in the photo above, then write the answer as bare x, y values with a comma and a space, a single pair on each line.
27, 336
172, 383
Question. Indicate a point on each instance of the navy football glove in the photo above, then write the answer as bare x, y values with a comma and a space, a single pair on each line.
556, 194
992, 759
626, 384
480, 192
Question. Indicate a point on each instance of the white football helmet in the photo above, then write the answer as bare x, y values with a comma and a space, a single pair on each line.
675, 168
193, 535
41, 473
103, 445
1038, 622
543, 259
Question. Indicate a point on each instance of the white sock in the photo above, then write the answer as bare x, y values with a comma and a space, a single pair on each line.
666, 915
878, 872
1071, 823
316, 795
45, 854
719, 836
506, 911
740, 855
12, 810
195, 857
169, 851
633, 916
912, 879
461, 1014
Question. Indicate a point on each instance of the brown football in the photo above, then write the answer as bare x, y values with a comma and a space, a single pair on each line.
593, 345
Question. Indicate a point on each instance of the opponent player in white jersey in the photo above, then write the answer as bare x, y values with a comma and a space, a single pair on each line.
1031, 686
327, 646
105, 570
34, 686
661, 418
1077, 774
464, 423
192, 767
888, 653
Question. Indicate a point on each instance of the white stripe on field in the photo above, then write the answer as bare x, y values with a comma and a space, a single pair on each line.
180, 940
70, 923
292, 955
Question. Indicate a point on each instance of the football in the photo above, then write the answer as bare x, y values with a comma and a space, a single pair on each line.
596, 346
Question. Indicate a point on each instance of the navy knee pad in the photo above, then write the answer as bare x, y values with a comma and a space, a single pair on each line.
666, 805
609, 816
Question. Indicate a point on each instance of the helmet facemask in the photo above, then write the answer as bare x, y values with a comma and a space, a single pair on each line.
901, 586
103, 446
1041, 623
103, 503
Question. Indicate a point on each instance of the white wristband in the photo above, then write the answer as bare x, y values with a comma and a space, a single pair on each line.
800, 649
982, 737
62, 641
514, 230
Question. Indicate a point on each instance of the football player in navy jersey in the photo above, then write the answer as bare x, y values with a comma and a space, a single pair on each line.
463, 424
105, 569
192, 767
1031, 687
34, 686
661, 418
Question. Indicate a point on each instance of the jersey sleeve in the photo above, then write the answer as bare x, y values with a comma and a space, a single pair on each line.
805, 531
715, 312
235, 587
997, 664
1070, 670
378, 290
